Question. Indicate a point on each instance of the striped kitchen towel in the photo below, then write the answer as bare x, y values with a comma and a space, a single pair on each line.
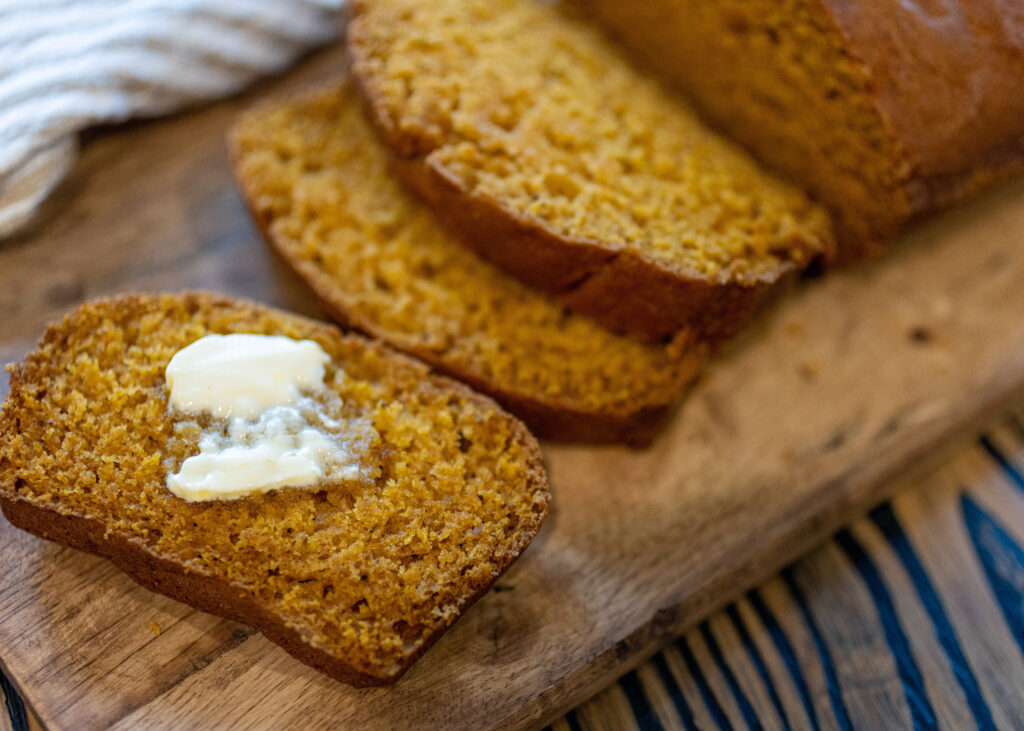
69, 64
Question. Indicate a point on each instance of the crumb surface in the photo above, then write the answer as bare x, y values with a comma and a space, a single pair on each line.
366, 570
315, 171
527, 106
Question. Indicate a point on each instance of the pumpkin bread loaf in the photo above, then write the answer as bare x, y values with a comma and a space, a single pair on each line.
315, 176
355, 576
886, 110
534, 139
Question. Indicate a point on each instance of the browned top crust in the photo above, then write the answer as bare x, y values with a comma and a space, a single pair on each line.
356, 578
948, 76
886, 110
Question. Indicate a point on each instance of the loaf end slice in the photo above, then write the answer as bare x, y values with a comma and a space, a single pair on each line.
542, 148
356, 577
887, 111
316, 178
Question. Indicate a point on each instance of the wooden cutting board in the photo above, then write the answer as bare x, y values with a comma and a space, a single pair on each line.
799, 428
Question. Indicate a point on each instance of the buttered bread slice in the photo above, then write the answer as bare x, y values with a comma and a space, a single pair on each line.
536, 141
321, 487
316, 179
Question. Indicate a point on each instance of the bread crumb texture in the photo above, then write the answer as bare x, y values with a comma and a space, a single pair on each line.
316, 175
367, 570
535, 110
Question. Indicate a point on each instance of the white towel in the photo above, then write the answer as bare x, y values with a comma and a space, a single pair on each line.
69, 64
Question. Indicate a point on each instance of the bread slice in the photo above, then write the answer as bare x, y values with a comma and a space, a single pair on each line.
357, 578
535, 140
315, 177
886, 110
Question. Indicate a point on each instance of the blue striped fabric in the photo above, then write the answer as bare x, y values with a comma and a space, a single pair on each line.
940, 576
749, 716
1003, 561
755, 657
15, 708
842, 716
886, 521
921, 710
786, 653
675, 693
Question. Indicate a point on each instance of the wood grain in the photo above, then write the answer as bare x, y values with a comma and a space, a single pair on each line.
958, 664
801, 426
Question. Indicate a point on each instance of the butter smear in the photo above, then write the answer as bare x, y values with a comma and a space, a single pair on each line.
276, 434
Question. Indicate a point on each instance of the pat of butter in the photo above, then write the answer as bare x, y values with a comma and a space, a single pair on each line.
257, 383
243, 375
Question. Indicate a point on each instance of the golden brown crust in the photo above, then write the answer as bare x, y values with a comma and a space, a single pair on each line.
626, 290
156, 573
936, 87
44, 516
946, 77
548, 415
623, 290
206, 593
946, 85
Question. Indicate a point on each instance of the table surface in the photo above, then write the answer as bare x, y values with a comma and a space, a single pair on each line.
913, 616
910, 615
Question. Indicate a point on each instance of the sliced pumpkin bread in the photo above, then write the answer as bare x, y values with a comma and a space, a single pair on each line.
887, 110
356, 576
315, 176
534, 139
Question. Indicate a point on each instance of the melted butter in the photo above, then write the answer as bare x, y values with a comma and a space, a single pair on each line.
274, 436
